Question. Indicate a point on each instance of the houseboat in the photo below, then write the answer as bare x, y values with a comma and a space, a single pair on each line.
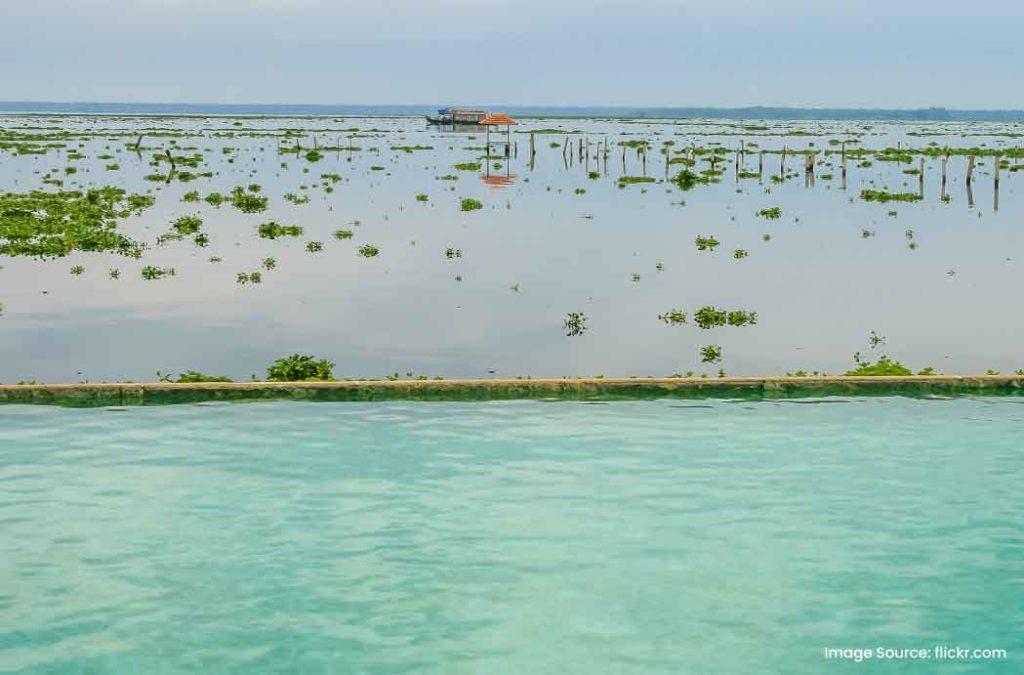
457, 116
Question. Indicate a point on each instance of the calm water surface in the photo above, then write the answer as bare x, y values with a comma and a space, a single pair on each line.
537, 250
515, 537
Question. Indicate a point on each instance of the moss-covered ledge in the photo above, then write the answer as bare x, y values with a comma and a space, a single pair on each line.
753, 388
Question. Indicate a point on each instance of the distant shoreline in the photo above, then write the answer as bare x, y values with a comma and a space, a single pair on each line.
659, 112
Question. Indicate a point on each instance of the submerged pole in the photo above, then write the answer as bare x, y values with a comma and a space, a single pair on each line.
945, 167
995, 191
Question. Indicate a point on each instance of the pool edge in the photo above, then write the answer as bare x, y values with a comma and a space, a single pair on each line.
753, 388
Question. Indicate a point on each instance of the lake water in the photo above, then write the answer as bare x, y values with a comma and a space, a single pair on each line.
513, 537
939, 280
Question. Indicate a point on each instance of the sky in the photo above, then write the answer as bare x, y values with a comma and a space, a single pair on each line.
850, 53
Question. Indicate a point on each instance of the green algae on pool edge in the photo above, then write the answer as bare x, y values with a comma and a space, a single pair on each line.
646, 536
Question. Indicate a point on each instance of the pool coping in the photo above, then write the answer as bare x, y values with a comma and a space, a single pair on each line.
594, 388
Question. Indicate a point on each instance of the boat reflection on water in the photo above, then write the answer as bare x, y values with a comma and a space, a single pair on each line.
458, 128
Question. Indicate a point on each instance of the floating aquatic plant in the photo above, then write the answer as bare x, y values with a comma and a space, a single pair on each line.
711, 354
575, 324
151, 273
884, 196
273, 230
187, 224
248, 202
706, 243
710, 317
673, 317
53, 224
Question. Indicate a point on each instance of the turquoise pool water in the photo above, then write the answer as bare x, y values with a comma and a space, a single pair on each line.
516, 537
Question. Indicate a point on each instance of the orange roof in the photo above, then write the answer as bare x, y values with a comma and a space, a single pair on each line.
497, 119
497, 180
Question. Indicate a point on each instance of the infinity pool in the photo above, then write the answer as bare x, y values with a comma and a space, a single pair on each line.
517, 537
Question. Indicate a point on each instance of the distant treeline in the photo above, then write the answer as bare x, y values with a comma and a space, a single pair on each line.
749, 113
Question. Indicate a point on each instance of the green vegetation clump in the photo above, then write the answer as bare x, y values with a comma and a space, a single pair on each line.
368, 251
468, 166
300, 368
195, 376
343, 234
314, 246
706, 243
710, 317
673, 317
884, 196
470, 204
187, 224
53, 224
215, 199
296, 199
247, 202
711, 354
575, 324
884, 366
273, 230
630, 180
687, 180
422, 198
151, 273
773, 213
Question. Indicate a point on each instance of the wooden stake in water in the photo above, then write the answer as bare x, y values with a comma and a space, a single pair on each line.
970, 169
995, 191
945, 167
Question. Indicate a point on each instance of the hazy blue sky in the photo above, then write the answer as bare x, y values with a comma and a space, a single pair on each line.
864, 53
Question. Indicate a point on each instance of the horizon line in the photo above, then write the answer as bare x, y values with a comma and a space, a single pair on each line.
565, 106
